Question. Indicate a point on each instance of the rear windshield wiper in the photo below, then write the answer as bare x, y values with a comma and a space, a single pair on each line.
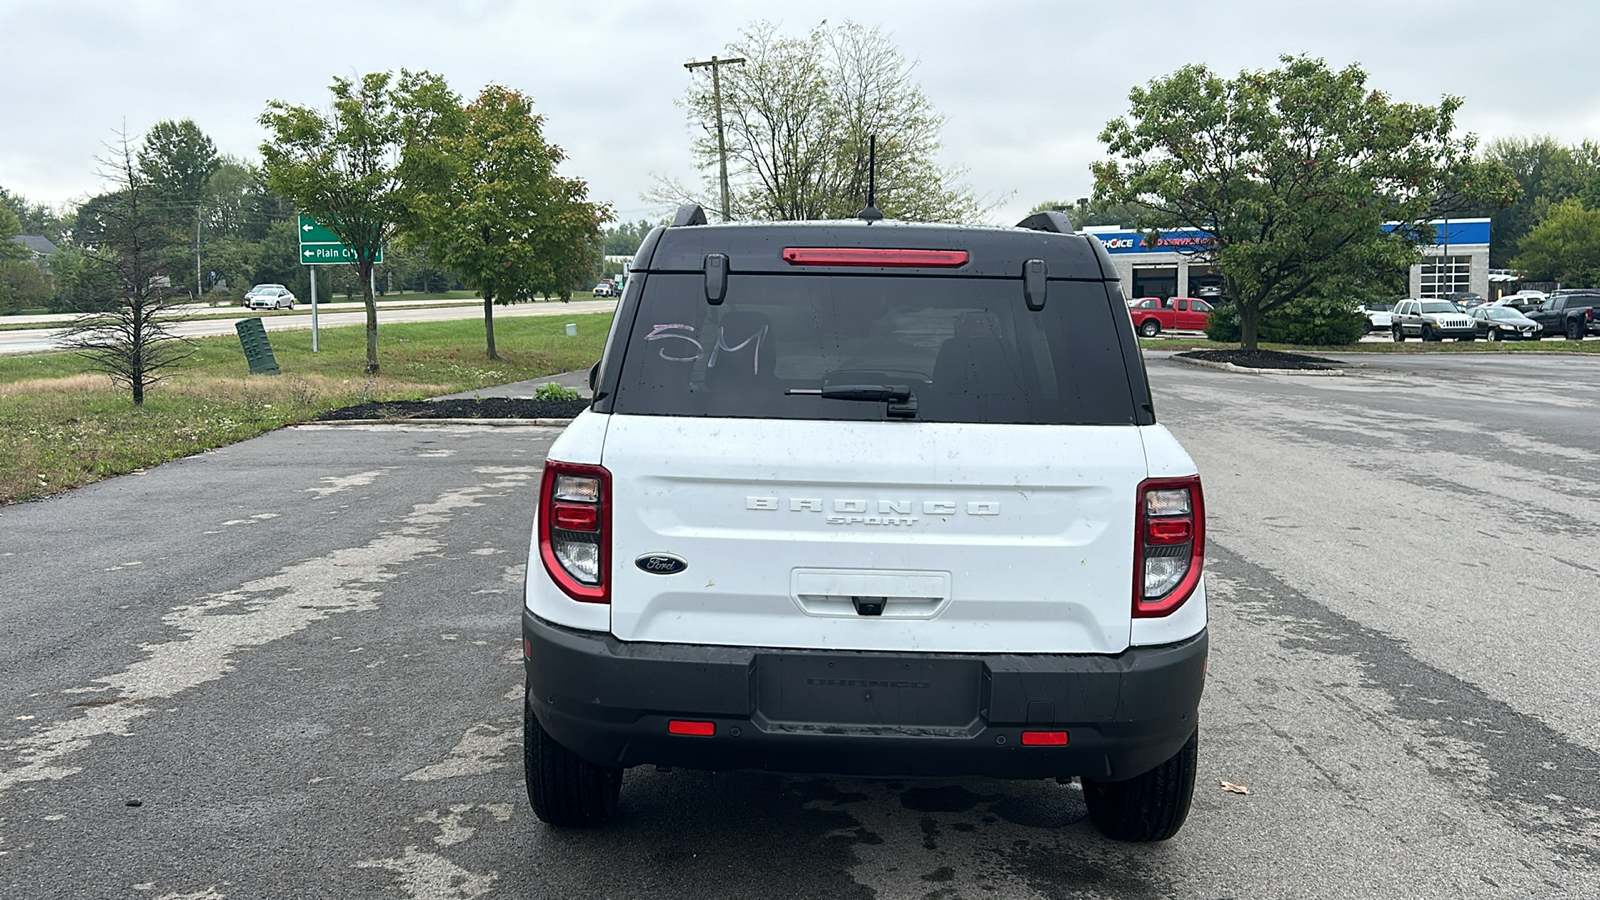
902, 401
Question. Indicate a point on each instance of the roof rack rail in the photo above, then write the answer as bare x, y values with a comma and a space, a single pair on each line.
1049, 220
689, 214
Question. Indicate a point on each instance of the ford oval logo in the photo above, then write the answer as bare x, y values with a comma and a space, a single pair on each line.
660, 564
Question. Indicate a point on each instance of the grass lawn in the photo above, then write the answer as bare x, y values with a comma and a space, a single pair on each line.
63, 426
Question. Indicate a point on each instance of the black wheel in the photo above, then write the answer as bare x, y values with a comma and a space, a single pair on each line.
1427, 334
566, 790
1494, 334
1150, 328
1574, 331
1397, 334
1150, 807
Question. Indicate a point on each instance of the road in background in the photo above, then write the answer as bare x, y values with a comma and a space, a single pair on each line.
41, 340
290, 668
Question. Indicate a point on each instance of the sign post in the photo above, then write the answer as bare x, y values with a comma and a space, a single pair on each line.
313, 270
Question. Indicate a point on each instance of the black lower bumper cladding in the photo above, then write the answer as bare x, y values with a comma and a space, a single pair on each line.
858, 713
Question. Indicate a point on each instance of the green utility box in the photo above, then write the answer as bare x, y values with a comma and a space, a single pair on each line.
257, 351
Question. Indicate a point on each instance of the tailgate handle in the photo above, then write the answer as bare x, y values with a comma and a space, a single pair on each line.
869, 606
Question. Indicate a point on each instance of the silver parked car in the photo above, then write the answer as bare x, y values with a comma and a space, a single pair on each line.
270, 296
1504, 323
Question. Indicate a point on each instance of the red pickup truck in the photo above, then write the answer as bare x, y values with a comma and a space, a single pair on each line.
1152, 315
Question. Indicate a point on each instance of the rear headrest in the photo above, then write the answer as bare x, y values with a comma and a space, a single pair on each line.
743, 345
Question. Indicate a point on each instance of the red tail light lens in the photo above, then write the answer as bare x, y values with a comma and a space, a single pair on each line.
874, 256
1169, 545
1044, 739
574, 529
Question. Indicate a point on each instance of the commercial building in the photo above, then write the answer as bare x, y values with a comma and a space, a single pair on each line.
1178, 264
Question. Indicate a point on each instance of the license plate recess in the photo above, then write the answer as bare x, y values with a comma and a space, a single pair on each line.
849, 689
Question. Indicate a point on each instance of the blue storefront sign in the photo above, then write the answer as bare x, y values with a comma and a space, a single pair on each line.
1189, 240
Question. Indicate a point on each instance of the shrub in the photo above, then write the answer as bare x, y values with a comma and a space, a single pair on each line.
1306, 322
555, 393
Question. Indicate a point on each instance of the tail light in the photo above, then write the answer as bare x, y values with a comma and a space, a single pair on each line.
575, 529
1169, 545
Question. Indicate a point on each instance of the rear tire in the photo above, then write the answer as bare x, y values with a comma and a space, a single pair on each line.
1397, 334
1574, 331
1494, 334
566, 790
1150, 328
1150, 807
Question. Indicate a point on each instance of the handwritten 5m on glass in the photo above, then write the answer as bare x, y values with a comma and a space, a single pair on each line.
685, 333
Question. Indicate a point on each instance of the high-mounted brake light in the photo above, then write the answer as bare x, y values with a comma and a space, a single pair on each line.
874, 256
575, 529
1168, 545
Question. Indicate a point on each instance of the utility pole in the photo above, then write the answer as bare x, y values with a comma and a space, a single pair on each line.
199, 286
716, 100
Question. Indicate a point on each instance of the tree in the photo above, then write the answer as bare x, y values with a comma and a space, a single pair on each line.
10, 228
131, 341
33, 218
798, 116
496, 213
1294, 173
176, 162
624, 239
344, 165
1565, 247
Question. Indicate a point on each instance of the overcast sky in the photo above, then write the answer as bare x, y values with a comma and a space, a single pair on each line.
1025, 86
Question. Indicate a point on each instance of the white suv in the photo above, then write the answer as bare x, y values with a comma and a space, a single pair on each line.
869, 498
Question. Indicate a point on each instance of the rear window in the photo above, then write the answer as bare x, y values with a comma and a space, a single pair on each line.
968, 350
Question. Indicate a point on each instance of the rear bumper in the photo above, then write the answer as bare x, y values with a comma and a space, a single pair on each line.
870, 714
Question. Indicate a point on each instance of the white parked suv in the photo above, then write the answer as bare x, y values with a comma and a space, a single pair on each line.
870, 499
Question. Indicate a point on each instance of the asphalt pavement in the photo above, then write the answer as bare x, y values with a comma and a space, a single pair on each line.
289, 668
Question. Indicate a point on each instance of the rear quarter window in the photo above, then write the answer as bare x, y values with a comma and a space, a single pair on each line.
968, 349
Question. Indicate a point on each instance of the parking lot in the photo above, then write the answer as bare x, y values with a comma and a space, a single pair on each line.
289, 668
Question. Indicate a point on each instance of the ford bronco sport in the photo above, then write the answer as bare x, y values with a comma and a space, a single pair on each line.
869, 498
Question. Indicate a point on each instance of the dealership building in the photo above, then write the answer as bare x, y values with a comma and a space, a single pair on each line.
1179, 266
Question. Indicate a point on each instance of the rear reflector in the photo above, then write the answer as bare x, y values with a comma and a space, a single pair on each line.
874, 256
692, 729
577, 516
527, 649
1044, 739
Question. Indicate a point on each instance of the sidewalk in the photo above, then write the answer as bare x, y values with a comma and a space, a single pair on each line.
523, 390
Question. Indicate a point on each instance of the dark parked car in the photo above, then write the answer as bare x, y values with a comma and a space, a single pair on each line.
1502, 323
1569, 313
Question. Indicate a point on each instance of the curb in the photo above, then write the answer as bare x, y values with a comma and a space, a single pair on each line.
1230, 367
497, 423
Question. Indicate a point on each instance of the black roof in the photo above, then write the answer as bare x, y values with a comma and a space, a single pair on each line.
758, 248
38, 243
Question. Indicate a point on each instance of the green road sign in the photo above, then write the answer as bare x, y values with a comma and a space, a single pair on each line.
319, 246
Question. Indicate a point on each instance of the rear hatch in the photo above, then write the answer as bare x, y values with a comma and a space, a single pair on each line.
875, 462
969, 538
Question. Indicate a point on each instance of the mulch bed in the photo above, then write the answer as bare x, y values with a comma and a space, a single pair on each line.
1265, 359
486, 408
